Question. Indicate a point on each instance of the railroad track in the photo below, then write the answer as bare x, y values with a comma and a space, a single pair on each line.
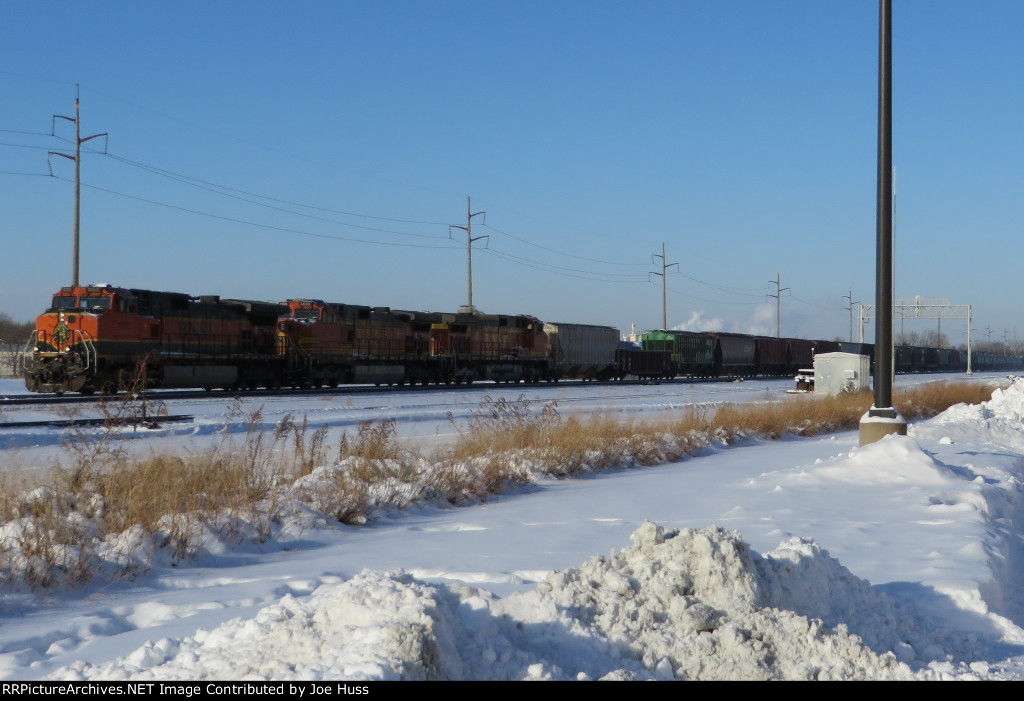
22, 400
148, 421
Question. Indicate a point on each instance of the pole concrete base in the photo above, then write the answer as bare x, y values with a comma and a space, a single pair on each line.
879, 423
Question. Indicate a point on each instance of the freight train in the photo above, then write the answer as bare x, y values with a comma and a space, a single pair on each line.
102, 338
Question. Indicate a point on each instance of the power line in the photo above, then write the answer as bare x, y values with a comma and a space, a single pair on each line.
749, 291
252, 223
560, 253
217, 188
561, 270
26, 133
243, 195
712, 301
29, 146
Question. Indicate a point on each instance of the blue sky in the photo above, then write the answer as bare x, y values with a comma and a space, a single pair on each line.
270, 150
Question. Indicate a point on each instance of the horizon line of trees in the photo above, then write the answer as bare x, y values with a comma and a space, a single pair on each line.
933, 339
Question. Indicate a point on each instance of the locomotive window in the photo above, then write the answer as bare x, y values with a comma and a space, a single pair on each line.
61, 302
311, 314
96, 303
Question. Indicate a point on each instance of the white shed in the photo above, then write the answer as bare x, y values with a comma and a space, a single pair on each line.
841, 372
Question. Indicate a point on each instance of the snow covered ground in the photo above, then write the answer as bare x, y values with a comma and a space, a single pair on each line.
702, 569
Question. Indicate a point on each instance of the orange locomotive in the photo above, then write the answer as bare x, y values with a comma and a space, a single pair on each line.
94, 338
329, 343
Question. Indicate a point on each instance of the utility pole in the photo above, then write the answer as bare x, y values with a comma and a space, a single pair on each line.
77, 158
665, 265
778, 302
970, 330
849, 298
468, 228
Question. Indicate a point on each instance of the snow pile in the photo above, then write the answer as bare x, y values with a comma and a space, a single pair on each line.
693, 604
1000, 420
893, 461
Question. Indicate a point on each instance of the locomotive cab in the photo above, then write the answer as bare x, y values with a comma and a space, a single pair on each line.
64, 343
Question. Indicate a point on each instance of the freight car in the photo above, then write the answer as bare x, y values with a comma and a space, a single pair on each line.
632, 361
739, 355
698, 354
691, 354
92, 338
581, 351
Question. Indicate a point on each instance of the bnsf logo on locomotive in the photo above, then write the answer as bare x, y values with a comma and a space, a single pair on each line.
62, 334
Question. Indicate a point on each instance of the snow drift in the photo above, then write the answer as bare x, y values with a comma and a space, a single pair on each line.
692, 604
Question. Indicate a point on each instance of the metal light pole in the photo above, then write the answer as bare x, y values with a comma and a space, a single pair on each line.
882, 418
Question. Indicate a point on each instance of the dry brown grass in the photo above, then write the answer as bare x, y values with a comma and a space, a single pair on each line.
100, 491
52, 529
810, 415
503, 437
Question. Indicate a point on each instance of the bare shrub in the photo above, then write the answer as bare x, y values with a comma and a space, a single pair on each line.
373, 441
